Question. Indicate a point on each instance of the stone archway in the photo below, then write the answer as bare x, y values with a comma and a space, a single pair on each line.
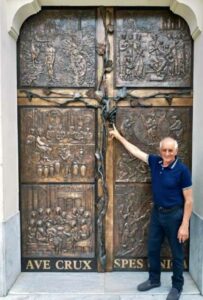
22, 11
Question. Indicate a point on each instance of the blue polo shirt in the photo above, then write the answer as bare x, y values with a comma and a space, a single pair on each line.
168, 182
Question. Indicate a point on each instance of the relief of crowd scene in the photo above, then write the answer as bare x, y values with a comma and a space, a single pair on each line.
159, 55
58, 144
65, 230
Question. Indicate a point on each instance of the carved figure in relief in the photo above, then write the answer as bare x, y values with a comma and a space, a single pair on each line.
51, 134
31, 138
67, 157
34, 52
60, 133
58, 217
129, 24
57, 242
168, 60
79, 134
32, 230
172, 199
124, 166
138, 57
128, 66
49, 60
123, 43
84, 235
79, 66
180, 56
40, 232
176, 125
88, 134
157, 58
48, 215
150, 124
163, 58
127, 126
129, 216
42, 144
125, 235
153, 47
50, 230
55, 118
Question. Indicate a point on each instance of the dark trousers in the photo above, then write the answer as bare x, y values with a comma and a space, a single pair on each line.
165, 224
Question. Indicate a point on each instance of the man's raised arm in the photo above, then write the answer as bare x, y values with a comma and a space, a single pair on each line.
130, 147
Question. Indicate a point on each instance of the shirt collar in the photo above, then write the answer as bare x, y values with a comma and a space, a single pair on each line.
171, 165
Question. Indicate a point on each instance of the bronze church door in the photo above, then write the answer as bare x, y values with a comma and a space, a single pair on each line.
84, 201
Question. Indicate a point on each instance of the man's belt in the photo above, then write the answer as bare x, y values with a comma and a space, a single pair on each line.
167, 209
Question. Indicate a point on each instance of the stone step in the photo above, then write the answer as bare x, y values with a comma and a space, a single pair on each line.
94, 286
97, 297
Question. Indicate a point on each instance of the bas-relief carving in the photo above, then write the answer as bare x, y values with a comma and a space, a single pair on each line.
133, 205
57, 49
58, 220
145, 127
57, 144
152, 49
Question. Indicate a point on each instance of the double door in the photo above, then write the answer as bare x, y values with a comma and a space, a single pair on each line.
85, 202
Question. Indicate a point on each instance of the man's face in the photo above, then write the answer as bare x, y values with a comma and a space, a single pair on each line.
168, 151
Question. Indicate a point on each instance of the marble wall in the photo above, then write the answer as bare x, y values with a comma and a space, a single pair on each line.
10, 256
196, 250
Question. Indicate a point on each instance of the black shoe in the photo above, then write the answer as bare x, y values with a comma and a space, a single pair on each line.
174, 294
147, 285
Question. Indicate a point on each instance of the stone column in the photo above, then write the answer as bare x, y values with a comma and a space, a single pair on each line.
196, 228
9, 214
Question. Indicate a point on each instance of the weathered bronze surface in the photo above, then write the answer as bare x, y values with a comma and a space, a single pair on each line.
57, 144
145, 127
133, 203
132, 211
56, 48
84, 200
58, 220
153, 49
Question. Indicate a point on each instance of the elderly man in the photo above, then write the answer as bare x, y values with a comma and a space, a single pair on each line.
172, 197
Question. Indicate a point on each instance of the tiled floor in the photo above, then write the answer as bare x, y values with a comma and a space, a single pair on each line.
94, 286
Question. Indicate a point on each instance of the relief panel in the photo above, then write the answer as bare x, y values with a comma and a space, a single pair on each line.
58, 220
145, 127
56, 48
57, 144
132, 210
153, 49
133, 204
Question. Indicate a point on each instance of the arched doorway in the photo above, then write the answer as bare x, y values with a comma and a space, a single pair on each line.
79, 71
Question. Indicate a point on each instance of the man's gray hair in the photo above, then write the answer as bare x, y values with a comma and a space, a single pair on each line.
168, 138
